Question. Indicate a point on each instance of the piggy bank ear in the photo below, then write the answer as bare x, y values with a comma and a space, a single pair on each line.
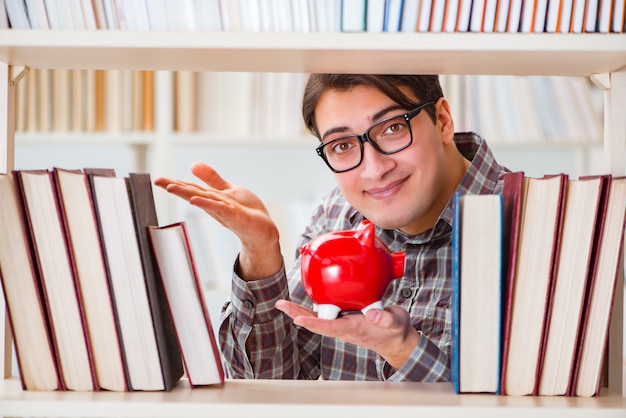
366, 234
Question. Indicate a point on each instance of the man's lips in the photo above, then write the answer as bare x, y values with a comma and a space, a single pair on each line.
386, 191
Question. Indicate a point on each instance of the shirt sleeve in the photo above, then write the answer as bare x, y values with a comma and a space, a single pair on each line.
257, 340
427, 363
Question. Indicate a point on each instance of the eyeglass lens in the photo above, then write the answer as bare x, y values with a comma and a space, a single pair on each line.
387, 136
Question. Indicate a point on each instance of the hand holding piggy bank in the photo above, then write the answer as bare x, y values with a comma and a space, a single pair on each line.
348, 270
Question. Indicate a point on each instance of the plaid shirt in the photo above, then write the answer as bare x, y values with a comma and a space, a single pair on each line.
258, 341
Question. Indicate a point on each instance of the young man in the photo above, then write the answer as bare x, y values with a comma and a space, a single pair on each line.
390, 143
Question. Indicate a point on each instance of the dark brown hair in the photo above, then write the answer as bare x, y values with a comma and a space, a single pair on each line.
423, 87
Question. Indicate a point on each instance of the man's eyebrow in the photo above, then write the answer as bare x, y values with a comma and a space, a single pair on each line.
375, 118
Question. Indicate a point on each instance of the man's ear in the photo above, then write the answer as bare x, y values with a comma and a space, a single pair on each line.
444, 120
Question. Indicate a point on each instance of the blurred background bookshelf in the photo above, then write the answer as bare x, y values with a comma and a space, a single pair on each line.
249, 126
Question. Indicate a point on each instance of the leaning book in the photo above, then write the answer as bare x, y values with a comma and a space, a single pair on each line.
186, 302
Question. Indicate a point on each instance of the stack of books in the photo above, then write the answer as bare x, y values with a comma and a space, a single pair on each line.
92, 298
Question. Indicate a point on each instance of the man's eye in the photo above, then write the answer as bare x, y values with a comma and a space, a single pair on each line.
341, 147
394, 128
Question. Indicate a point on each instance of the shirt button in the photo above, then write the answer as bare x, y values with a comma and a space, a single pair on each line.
248, 304
406, 292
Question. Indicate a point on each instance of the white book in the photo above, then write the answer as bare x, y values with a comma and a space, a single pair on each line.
409, 15
539, 24
283, 15
578, 16
353, 15
76, 13
437, 14
89, 15
552, 15
375, 15
526, 24
301, 20
515, 15
157, 15
528, 111
451, 16
250, 15
55, 19
313, 15
37, 14
566, 16
604, 16
138, 11
321, 15
618, 17
333, 14
208, 15
181, 14
231, 15
465, 12
423, 23
4, 19
110, 15
591, 14
393, 14
489, 22
502, 16
17, 14
476, 19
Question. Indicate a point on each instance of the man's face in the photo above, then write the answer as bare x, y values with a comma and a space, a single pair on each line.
397, 191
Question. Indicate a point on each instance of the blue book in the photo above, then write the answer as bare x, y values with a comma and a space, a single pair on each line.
476, 304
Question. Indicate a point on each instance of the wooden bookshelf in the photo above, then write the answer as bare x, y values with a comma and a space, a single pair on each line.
600, 56
283, 398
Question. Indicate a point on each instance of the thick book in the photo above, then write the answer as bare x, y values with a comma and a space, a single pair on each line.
127, 283
144, 215
187, 304
79, 218
582, 202
602, 287
542, 208
477, 293
64, 306
26, 311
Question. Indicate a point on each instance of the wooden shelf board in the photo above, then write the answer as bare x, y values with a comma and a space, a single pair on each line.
443, 53
277, 398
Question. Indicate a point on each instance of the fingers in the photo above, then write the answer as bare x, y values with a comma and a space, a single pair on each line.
209, 176
293, 310
187, 189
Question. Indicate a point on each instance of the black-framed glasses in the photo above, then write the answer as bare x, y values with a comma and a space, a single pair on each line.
388, 136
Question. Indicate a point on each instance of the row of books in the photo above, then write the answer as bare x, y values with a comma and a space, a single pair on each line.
523, 109
98, 295
536, 270
236, 104
63, 100
563, 16
267, 105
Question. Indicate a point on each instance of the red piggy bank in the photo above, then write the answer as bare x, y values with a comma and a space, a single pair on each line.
348, 270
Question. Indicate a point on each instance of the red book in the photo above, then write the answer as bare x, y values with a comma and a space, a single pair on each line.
186, 302
602, 285
512, 194
26, 311
87, 256
59, 288
540, 225
582, 202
